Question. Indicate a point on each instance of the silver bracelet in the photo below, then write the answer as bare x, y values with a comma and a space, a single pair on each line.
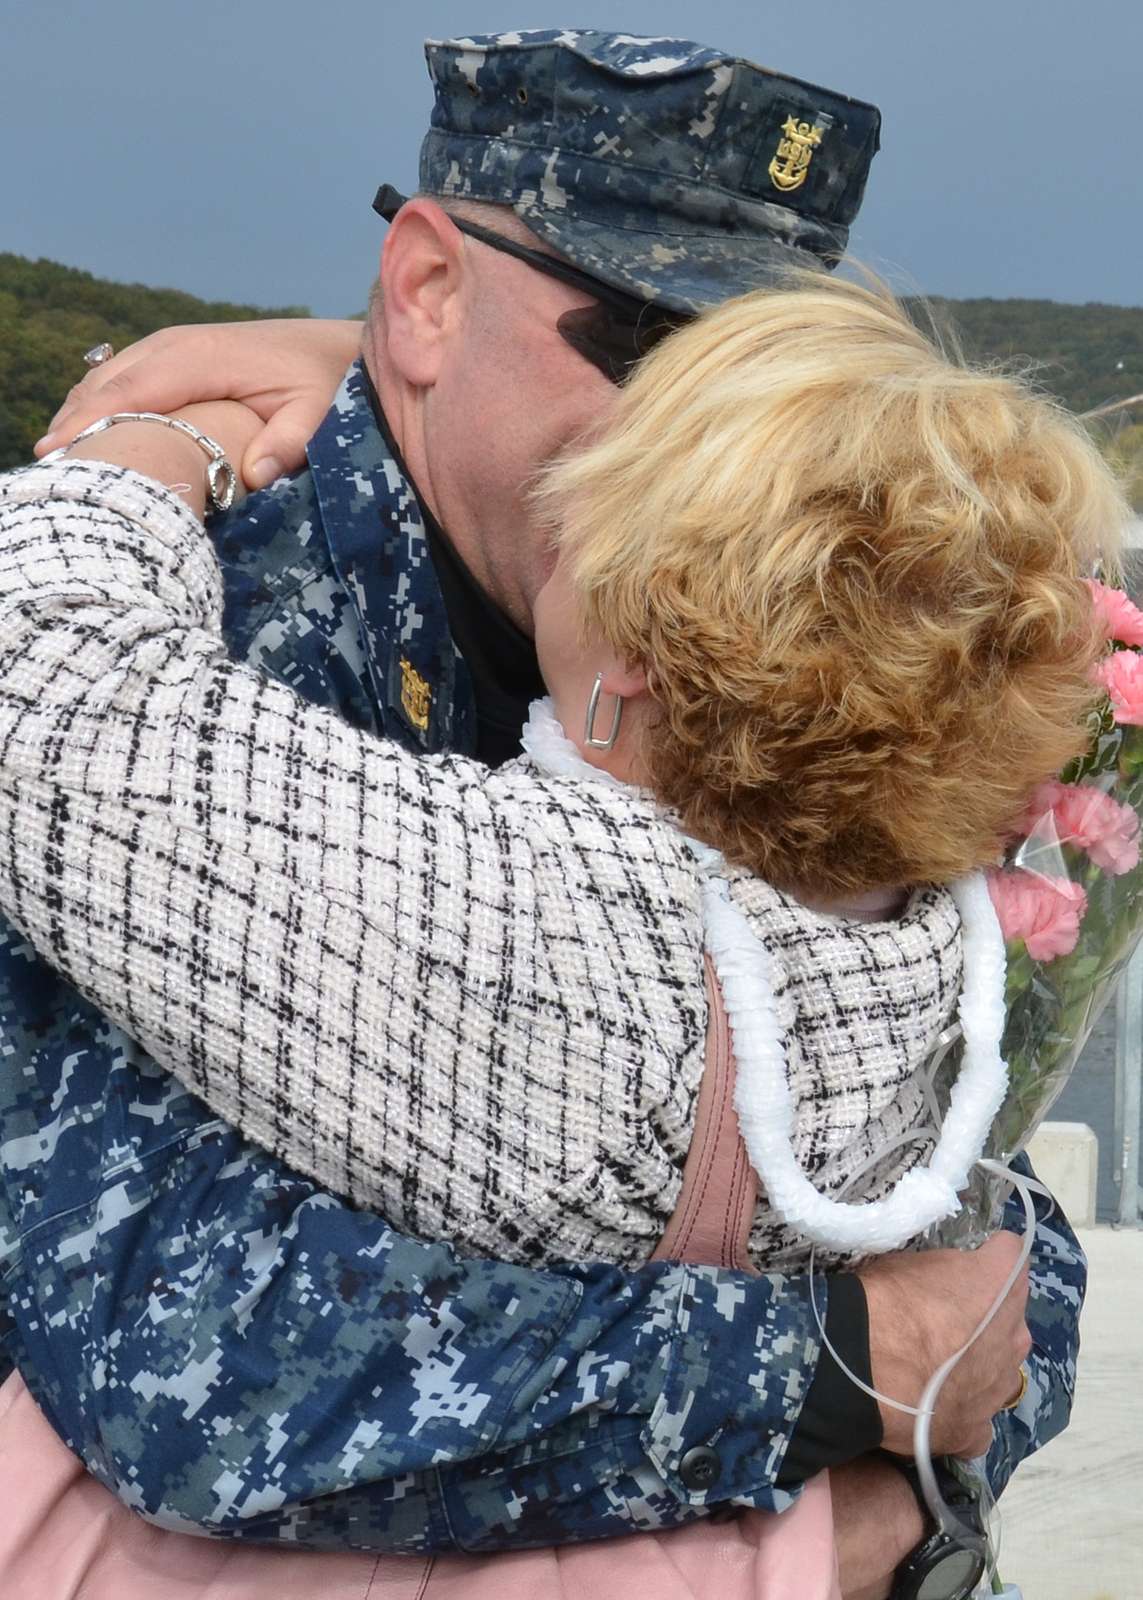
221, 479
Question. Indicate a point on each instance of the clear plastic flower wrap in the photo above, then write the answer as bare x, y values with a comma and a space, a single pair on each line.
1069, 897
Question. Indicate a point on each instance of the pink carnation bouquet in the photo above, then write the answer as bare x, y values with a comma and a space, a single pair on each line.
1069, 897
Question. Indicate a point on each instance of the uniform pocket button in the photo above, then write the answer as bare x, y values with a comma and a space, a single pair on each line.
700, 1468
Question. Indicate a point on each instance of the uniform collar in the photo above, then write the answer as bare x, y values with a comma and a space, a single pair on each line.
501, 659
377, 541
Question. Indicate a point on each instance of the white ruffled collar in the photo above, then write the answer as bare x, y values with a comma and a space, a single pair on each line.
553, 752
545, 741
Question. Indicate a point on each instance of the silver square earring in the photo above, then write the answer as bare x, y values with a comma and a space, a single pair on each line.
589, 738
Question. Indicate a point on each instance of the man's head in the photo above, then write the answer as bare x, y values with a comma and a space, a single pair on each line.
480, 388
670, 174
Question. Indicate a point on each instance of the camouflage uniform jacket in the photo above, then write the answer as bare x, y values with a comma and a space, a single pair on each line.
232, 1349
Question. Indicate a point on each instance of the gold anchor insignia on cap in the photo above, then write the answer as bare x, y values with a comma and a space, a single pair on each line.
416, 696
792, 159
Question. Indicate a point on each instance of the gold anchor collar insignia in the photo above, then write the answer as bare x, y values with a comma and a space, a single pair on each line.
795, 151
416, 696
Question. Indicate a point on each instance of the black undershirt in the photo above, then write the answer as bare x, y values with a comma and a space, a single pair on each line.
501, 660
837, 1420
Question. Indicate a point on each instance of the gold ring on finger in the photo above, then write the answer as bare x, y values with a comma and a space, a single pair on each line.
1020, 1393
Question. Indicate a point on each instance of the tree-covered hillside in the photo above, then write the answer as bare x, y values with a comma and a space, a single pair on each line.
1087, 354
51, 314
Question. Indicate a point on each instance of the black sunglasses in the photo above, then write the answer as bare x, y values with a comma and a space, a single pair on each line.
614, 334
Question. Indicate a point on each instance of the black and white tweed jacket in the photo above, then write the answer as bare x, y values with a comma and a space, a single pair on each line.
473, 1001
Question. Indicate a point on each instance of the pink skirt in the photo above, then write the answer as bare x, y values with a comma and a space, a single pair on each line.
65, 1537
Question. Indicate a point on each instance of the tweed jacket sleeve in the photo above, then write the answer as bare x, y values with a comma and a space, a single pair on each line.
379, 966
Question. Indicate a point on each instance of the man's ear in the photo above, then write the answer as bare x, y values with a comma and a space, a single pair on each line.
421, 276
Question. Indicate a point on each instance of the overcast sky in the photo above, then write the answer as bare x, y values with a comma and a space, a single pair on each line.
232, 147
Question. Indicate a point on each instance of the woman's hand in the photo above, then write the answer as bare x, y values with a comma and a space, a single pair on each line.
168, 455
284, 371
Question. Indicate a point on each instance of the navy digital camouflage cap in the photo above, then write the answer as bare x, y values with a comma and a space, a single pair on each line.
669, 169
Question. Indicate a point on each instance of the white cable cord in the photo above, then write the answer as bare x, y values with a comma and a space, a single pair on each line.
922, 1413
923, 1416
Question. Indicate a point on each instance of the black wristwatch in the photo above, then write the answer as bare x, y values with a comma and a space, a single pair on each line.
944, 1566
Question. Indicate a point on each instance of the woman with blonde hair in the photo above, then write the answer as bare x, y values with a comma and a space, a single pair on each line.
816, 628
818, 606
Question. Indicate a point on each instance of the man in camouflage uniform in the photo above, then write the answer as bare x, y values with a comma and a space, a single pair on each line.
224, 1344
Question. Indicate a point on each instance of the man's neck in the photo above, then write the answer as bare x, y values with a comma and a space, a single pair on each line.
404, 409
501, 660
402, 414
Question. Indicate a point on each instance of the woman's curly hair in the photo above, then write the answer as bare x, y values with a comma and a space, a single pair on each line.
854, 571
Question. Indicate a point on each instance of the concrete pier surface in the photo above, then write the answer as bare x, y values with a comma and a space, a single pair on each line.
1072, 1518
